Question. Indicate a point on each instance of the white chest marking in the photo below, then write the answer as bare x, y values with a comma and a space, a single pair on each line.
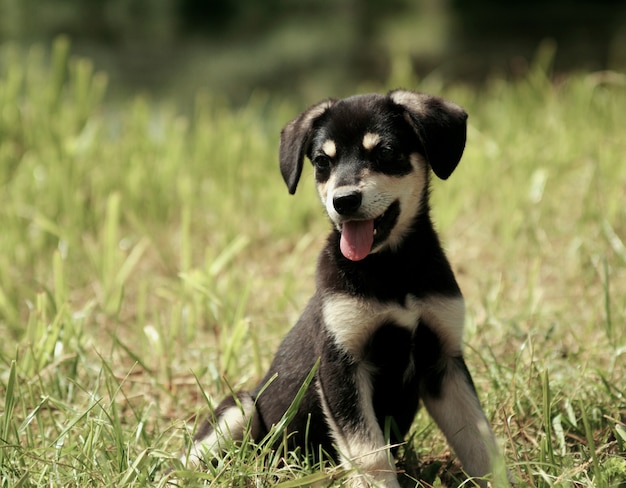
352, 321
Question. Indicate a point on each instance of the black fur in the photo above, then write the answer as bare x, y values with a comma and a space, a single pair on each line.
396, 363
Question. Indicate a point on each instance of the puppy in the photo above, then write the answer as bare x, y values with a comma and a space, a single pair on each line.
385, 324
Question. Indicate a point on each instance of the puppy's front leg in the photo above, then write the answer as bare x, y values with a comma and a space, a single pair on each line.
453, 404
345, 390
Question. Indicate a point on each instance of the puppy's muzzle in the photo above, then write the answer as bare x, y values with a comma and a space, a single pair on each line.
347, 202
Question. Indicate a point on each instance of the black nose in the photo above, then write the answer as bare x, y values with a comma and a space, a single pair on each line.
347, 202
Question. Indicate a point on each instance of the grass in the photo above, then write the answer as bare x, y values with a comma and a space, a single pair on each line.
151, 260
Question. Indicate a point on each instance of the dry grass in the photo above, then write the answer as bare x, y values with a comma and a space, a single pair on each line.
148, 258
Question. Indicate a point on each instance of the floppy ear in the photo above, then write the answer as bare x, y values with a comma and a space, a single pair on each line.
440, 125
294, 140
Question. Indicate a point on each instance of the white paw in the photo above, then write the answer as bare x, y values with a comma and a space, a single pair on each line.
381, 480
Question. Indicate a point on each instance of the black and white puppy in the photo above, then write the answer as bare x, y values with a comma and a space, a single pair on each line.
386, 320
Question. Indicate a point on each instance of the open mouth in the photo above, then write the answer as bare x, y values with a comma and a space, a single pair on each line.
359, 237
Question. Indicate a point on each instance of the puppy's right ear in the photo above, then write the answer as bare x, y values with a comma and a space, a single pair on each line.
294, 141
440, 125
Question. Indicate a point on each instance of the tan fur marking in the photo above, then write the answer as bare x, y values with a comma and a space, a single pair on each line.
324, 188
379, 191
366, 452
459, 416
370, 140
410, 100
409, 190
352, 321
316, 111
230, 427
446, 317
329, 148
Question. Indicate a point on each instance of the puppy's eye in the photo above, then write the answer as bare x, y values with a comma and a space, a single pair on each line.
322, 162
384, 154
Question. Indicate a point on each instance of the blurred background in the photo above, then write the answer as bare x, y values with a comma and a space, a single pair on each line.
316, 48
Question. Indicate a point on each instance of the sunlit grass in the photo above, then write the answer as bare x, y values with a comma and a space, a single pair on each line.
151, 260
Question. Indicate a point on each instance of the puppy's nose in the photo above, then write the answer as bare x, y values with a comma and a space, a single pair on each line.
347, 202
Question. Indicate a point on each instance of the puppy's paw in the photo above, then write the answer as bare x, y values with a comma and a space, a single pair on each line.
381, 480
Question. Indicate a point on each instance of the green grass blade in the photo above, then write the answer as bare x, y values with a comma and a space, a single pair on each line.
7, 415
278, 430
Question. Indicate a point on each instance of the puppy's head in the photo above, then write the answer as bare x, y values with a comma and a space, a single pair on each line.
371, 155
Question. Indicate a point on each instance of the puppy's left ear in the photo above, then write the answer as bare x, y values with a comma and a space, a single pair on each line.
440, 125
294, 141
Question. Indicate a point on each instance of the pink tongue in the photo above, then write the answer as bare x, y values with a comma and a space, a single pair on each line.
357, 237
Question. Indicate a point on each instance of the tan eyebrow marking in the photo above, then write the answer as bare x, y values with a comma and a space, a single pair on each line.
370, 140
329, 148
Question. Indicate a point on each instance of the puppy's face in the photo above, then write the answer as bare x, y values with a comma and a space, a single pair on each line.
372, 156
370, 171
